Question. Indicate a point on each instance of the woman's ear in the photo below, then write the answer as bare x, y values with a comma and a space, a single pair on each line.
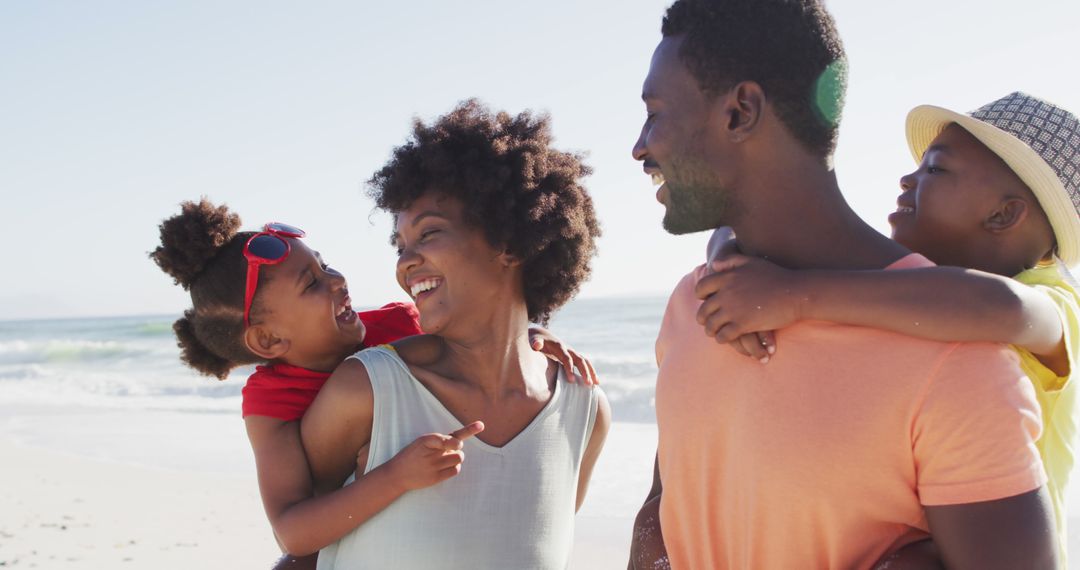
1008, 214
261, 341
508, 259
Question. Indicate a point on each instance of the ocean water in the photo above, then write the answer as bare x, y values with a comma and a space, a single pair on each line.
132, 364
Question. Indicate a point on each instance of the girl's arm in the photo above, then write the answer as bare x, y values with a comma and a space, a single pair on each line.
301, 523
304, 524
939, 303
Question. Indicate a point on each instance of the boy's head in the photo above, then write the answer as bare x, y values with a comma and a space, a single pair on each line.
299, 312
727, 72
998, 189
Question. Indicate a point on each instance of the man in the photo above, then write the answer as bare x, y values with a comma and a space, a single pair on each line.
850, 443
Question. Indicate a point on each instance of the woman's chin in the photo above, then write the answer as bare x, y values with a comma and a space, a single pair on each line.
432, 324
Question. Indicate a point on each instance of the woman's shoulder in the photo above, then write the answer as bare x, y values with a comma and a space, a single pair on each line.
349, 380
576, 390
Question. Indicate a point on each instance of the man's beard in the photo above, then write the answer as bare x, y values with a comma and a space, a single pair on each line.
696, 199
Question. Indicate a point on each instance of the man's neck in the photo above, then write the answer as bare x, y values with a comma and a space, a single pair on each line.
797, 217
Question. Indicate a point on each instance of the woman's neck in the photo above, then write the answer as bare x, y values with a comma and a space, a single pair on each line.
494, 355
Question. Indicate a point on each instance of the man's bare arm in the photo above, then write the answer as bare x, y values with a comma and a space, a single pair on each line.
647, 518
1016, 532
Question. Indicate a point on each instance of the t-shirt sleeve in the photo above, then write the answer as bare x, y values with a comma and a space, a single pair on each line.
1068, 306
682, 305
974, 434
262, 396
391, 322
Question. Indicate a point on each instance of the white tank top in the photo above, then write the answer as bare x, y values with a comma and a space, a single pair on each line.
510, 507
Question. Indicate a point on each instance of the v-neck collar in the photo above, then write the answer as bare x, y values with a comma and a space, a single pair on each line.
437, 404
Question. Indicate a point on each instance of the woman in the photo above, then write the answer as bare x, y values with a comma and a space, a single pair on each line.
493, 231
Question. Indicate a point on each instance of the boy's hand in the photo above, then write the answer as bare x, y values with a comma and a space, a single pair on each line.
549, 345
431, 458
757, 345
743, 297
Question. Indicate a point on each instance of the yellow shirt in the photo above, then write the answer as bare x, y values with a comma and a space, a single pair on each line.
1057, 395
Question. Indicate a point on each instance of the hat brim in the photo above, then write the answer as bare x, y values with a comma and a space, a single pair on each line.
925, 123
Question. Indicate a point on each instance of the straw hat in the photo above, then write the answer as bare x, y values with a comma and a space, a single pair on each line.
1039, 141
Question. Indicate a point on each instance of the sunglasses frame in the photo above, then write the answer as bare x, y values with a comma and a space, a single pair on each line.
254, 261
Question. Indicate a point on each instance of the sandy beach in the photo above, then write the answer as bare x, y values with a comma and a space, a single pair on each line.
59, 510
63, 509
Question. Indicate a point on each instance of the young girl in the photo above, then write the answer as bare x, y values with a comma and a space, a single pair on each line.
266, 298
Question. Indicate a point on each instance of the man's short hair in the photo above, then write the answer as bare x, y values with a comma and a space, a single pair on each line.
789, 47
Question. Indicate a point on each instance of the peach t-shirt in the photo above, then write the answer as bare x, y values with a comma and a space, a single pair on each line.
823, 457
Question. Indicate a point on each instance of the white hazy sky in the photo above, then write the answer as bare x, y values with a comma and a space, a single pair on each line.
112, 112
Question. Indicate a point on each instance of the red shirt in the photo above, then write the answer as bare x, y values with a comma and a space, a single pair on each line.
285, 392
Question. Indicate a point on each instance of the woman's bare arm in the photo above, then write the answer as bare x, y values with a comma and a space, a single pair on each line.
596, 443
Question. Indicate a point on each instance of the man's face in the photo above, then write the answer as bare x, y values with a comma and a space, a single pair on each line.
676, 146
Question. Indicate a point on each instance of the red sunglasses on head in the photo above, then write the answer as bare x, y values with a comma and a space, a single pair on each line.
267, 247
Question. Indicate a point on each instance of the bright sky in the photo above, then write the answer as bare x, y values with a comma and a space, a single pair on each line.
113, 112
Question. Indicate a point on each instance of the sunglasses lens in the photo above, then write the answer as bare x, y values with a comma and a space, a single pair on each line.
268, 247
284, 229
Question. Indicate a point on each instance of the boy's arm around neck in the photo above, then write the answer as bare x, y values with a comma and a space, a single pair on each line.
750, 295
937, 303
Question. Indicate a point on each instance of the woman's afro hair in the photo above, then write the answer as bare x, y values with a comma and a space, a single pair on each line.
524, 195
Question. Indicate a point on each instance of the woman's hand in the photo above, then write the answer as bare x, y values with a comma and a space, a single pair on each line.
541, 340
431, 458
745, 299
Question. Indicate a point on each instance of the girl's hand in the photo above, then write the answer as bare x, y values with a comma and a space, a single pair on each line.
745, 298
549, 345
431, 458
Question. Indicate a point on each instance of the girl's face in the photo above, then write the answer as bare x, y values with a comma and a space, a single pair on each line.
944, 204
306, 302
448, 267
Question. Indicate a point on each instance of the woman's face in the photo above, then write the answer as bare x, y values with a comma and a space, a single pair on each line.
448, 267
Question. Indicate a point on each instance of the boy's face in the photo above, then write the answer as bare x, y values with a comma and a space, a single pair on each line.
944, 205
307, 302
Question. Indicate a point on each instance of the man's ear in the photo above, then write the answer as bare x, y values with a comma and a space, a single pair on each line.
743, 108
260, 340
1008, 214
